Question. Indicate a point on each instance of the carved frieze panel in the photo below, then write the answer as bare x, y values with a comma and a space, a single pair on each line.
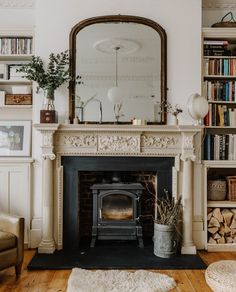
119, 143
87, 140
151, 141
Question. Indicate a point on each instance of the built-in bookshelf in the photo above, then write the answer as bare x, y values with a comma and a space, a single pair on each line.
219, 155
219, 87
16, 49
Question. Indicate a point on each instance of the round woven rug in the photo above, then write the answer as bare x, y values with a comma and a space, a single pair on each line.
82, 280
221, 276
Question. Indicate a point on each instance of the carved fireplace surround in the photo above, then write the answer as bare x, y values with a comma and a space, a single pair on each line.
113, 140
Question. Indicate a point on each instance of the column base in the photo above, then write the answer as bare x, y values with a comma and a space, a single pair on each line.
46, 247
189, 249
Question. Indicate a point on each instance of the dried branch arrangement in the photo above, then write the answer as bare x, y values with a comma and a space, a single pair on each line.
169, 210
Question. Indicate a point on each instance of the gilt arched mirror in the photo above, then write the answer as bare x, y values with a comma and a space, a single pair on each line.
118, 64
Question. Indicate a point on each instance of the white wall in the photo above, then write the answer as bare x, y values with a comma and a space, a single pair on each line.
181, 20
10, 17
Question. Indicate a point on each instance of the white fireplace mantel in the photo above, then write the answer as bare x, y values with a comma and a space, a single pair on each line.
113, 140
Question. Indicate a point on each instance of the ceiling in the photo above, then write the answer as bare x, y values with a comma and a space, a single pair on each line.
206, 4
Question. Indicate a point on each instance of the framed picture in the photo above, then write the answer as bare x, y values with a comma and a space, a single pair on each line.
15, 138
12, 72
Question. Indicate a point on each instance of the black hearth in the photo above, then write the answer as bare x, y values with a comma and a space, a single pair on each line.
116, 210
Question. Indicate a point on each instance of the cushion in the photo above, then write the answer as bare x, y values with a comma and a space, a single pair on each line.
7, 240
221, 276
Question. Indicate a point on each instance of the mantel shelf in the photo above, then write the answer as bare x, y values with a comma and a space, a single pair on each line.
117, 128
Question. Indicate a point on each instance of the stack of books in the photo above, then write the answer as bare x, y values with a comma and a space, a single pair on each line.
220, 147
216, 48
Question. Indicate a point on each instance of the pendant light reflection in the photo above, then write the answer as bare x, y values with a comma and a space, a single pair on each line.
115, 94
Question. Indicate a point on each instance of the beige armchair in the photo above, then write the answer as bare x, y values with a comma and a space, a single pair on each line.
11, 242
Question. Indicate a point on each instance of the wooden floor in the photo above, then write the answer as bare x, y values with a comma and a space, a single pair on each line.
56, 281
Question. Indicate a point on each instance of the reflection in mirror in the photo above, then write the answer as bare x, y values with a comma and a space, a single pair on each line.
121, 72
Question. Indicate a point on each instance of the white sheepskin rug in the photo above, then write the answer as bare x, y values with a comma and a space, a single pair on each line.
82, 280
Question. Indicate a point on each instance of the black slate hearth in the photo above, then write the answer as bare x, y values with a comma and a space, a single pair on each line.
116, 255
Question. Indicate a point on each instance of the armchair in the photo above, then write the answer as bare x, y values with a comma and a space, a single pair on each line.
11, 242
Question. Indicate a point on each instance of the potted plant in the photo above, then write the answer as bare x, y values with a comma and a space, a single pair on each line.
168, 215
48, 77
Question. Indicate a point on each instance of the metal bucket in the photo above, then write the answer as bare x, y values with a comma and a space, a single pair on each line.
165, 240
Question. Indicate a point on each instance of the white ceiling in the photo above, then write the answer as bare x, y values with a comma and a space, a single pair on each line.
206, 4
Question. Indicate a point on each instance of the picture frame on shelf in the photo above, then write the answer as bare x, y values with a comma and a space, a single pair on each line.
13, 73
15, 138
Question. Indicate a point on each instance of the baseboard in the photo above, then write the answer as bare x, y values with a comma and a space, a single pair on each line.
35, 232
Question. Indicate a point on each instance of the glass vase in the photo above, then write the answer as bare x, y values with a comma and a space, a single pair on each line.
48, 103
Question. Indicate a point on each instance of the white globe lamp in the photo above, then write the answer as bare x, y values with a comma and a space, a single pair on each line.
197, 107
115, 95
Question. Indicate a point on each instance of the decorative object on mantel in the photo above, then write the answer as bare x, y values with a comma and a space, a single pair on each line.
197, 107
226, 23
115, 280
167, 107
80, 106
49, 78
139, 122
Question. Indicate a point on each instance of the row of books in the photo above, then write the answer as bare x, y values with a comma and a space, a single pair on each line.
219, 48
10, 72
13, 46
220, 115
221, 67
220, 90
220, 147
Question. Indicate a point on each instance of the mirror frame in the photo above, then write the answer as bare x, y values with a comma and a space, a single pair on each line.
113, 19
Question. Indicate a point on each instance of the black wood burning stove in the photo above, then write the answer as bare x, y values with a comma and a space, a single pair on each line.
116, 210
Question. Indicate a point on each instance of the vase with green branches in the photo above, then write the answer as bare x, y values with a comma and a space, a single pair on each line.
48, 76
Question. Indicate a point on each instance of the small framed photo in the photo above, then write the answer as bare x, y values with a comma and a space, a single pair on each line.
13, 73
15, 138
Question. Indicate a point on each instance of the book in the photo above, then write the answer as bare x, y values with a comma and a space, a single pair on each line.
216, 42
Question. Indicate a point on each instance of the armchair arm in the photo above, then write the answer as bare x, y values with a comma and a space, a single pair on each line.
15, 225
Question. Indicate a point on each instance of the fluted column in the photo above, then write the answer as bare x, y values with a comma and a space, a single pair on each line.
187, 157
47, 244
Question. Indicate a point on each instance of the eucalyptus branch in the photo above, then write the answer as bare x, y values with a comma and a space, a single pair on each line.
49, 76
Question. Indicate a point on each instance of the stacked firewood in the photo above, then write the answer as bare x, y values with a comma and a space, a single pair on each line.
221, 225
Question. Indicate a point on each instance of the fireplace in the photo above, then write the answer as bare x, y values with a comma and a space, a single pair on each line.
76, 167
64, 145
116, 211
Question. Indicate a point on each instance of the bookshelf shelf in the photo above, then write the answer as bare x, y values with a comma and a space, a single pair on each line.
222, 101
24, 81
219, 57
15, 57
219, 77
221, 204
16, 106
